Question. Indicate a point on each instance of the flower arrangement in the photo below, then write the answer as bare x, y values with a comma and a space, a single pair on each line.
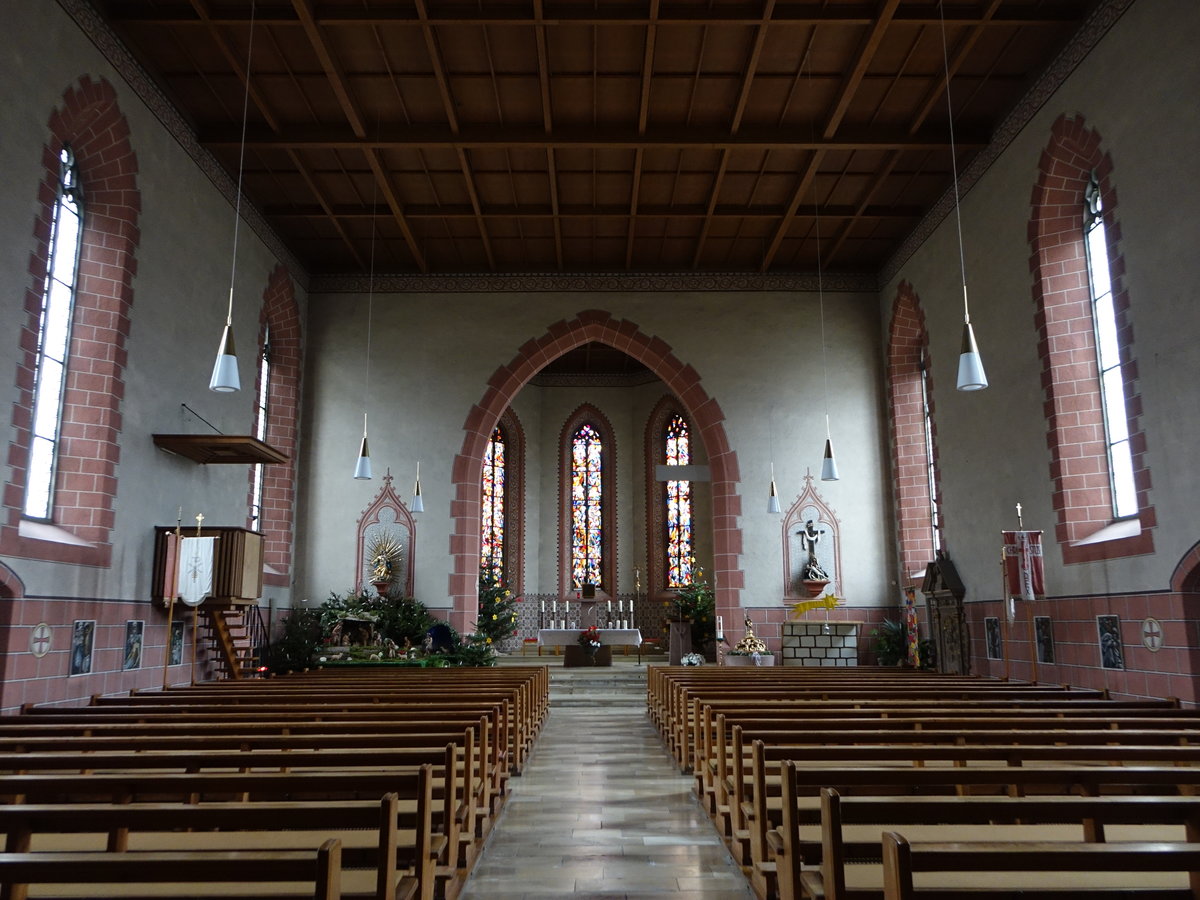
692, 659
589, 640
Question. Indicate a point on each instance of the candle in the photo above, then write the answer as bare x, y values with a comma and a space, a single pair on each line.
620, 606
608, 604
543, 604
720, 628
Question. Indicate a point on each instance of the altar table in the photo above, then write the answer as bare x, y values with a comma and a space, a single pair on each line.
609, 637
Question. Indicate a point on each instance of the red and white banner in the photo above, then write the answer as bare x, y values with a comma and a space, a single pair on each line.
1023, 567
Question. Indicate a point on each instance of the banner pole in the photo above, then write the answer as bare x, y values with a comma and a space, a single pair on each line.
1033, 650
172, 591
1007, 632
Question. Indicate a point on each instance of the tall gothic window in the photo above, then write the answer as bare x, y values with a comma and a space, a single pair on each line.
261, 411
680, 551
1108, 355
587, 507
54, 339
492, 528
930, 459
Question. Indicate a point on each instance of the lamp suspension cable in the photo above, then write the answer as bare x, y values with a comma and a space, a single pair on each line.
225, 378
362, 468
971, 376
829, 468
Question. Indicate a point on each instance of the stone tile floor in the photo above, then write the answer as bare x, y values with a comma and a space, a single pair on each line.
601, 810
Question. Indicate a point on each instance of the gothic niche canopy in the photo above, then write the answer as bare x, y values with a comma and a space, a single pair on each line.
810, 525
387, 518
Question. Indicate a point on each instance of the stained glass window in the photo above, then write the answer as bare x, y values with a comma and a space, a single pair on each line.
491, 530
1108, 355
680, 557
587, 481
54, 339
260, 427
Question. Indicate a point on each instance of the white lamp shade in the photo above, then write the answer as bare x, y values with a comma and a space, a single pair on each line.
829, 469
362, 469
773, 500
971, 376
418, 505
225, 370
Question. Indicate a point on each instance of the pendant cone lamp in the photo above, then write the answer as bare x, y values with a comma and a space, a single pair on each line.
773, 498
829, 468
418, 505
362, 469
225, 378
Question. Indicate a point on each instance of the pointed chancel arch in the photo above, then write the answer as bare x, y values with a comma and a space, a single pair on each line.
506, 382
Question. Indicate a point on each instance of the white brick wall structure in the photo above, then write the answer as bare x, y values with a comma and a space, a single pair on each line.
809, 644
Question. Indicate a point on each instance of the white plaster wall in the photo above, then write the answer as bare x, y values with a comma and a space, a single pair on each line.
180, 291
758, 355
1138, 89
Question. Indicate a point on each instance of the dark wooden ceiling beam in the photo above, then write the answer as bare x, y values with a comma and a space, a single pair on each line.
519, 137
238, 65
739, 110
575, 211
448, 107
635, 186
790, 14
337, 83
323, 205
543, 63
833, 121
961, 51
333, 69
854, 76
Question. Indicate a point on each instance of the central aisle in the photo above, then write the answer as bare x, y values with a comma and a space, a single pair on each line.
601, 810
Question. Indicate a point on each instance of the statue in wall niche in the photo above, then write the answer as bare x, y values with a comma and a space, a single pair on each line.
812, 569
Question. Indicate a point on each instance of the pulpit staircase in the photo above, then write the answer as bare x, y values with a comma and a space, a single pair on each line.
236, 636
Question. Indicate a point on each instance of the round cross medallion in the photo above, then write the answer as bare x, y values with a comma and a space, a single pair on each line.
39, 640
1152, 634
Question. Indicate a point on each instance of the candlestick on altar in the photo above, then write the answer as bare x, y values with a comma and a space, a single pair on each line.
720, 628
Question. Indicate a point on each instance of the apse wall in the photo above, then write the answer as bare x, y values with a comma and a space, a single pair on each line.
1128, 109
438, 358
159, 276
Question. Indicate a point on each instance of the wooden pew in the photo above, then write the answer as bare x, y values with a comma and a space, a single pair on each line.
902, 860
389, 836
413, 789
450, 773
21, 736
846, 822
764, 813
199, 874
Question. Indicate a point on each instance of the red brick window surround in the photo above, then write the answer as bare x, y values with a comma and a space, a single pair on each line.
280, 317
90, 120
589, 415
914, 437
1085, 527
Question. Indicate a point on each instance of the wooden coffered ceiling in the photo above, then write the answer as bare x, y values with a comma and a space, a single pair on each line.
572, 136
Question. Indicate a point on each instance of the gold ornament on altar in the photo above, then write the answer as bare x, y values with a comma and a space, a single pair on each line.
384, 553
829, 601
749, 645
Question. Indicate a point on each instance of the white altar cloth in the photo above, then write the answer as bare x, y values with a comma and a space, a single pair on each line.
611, 637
